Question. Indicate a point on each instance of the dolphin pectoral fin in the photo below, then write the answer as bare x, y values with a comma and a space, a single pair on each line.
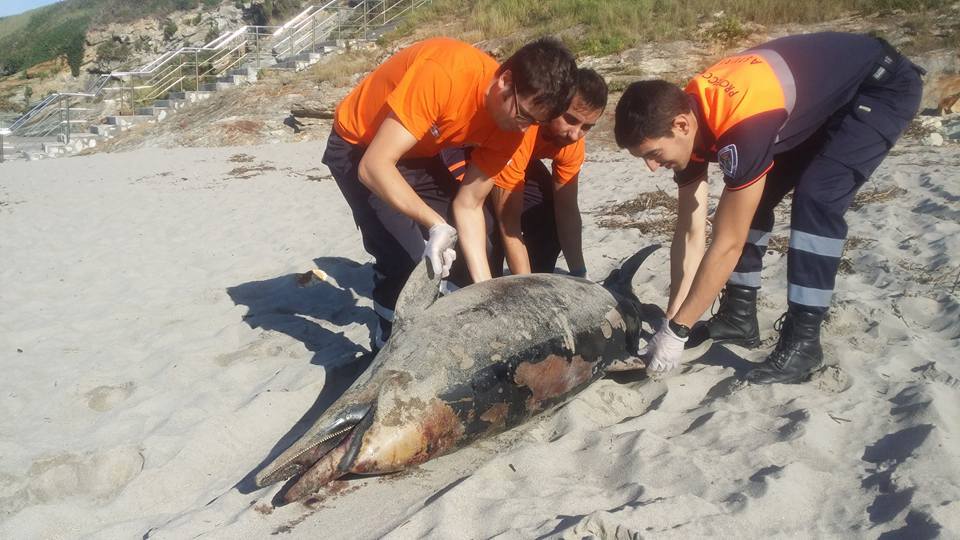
632, 363
314, 445
418, 293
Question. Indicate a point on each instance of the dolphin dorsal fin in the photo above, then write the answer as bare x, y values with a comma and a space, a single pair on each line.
620, 279
419, 293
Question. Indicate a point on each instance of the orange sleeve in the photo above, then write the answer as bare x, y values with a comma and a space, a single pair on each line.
420, 97
511, 174
568, 162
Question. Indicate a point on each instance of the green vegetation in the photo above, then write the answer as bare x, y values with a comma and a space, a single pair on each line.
169, 29
606, 26
59, 29
267, 12
44, 37
112, 51
212, 34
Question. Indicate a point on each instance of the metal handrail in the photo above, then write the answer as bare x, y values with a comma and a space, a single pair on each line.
177, 69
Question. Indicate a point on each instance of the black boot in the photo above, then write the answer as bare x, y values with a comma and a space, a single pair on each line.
735, 321
798, 353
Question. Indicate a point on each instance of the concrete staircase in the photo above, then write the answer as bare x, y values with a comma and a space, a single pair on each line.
160, 109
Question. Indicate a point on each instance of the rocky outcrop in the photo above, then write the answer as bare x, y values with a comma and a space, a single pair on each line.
139, 42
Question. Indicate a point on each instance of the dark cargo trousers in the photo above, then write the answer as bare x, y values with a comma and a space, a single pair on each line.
395, 241
825, 172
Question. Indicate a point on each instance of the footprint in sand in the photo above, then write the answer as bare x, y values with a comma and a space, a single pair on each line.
831, 379
96, 475
104, 398
795, 426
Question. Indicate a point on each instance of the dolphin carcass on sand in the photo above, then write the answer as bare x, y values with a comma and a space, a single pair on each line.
466, 366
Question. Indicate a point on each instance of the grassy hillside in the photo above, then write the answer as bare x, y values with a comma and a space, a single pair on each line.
607, 26
59, 29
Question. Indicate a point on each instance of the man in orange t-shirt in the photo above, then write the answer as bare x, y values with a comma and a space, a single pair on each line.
535, 209
388, 132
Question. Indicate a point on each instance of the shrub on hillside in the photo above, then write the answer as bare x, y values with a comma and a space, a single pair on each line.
169, 29
112, 51
212, 34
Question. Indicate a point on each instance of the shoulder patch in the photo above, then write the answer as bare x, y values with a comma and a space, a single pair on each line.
728, 160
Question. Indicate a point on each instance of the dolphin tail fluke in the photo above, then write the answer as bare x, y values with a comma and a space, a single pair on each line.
418, 294
620, 278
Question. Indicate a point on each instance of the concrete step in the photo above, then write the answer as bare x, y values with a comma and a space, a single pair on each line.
53, 149
127, 120
216, 87
171, 104
104, 130
151, 111
295, 65
233, 79
307, 57
243, 72
191, 96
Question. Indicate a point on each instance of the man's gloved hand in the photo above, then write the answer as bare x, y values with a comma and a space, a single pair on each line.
439, 249
663, 351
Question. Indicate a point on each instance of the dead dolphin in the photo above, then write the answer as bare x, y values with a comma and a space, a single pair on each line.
465, 366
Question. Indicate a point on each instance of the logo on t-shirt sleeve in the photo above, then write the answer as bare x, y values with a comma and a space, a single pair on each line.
728, 160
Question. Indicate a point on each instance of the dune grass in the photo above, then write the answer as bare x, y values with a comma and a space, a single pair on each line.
606, 26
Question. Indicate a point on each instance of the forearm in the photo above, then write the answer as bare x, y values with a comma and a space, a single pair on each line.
570, 234
730, 226
471, 228
384, 179
516, 253
686, 254
714, 270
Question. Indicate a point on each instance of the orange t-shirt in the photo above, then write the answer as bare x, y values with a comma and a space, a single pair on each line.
567, 161
436, 88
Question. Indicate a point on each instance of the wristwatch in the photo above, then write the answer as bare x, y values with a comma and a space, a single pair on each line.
678, 329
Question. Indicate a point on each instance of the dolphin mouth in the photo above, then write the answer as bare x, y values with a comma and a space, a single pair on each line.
307, 452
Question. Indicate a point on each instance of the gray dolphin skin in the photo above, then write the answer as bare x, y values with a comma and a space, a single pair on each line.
469, 365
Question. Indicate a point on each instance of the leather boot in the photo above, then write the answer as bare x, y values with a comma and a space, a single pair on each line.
798, 353
735, 321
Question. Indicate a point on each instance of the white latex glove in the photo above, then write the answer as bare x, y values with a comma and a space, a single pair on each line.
664, 350
439, 249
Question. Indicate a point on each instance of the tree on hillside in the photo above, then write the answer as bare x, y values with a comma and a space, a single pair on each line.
169, 29
74, 52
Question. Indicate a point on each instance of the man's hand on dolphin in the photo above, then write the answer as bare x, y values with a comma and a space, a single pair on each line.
439, 249
664, 350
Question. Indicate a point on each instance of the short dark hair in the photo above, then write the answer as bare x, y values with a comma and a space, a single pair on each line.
545, 69
592, 88
646, 111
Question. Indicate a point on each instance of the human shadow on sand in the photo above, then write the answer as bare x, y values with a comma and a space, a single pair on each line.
294, 305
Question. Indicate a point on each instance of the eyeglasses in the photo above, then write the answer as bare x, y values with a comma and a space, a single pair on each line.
522, 115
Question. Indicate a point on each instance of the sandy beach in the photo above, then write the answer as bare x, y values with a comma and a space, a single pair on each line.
157, 349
